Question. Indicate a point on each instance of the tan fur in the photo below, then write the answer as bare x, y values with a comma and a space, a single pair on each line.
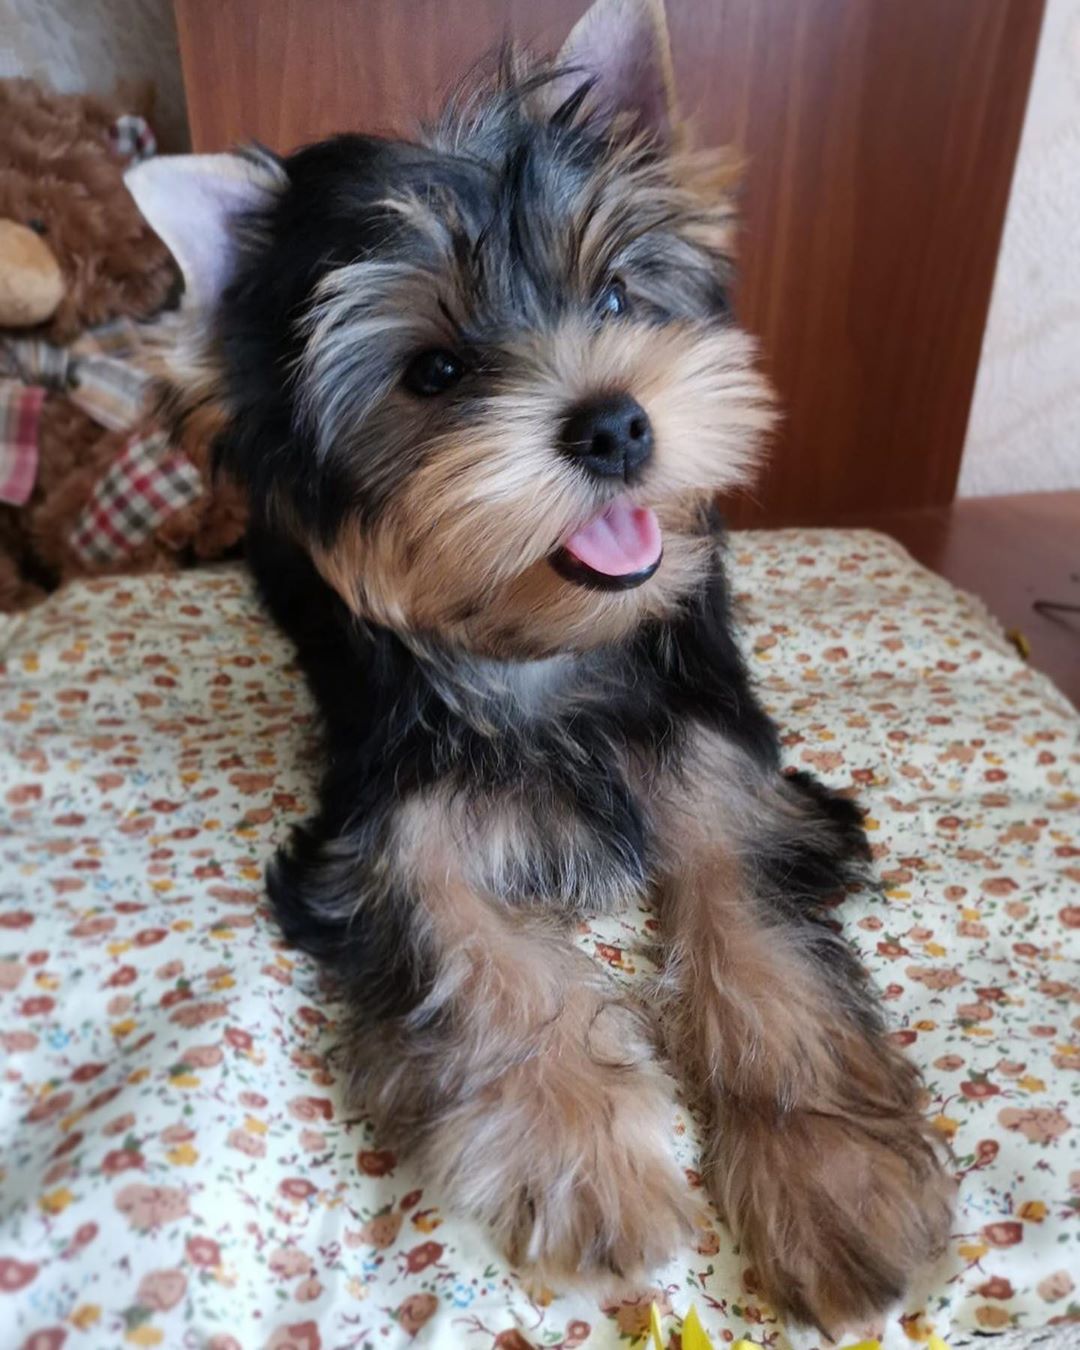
471, 534
818, 1155
536, 1102
713, 178
529, 1088
532, 614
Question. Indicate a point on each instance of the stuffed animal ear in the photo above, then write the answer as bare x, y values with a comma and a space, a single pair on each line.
195, 204
624, 48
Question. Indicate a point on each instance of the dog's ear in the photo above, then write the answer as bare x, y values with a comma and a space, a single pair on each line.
197, 204
624, 48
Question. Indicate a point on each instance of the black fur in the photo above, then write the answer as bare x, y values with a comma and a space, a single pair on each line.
393, 723
508, 196
505, 751
389, 733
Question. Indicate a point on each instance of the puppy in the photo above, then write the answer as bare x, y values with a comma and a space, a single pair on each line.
483, 390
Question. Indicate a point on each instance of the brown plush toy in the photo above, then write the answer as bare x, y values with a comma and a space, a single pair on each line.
88, 483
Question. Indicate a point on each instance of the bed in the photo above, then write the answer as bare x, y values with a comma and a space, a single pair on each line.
177, 1166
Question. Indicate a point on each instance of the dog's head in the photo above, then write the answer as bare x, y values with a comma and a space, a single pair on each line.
489, 380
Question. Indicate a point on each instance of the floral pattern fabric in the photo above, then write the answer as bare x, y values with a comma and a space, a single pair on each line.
177, 1166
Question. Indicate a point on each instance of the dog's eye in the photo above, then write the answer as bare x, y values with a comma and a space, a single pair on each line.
433, 373
38, 226
612, 301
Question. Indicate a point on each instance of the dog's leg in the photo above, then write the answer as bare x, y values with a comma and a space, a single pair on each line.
818, 1156
528, 1088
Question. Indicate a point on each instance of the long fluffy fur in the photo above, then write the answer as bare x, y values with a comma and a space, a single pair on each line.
506, 751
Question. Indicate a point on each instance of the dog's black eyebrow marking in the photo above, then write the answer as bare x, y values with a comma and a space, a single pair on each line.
516, 166
447, 313
481, 240
463, 251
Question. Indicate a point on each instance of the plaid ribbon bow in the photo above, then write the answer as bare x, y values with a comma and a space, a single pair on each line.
96, 373
101, 375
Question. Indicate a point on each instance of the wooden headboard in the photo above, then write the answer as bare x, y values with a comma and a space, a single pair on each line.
880, 134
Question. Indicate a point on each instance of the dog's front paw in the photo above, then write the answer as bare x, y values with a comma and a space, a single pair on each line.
608, 1200
835, 1214
567, 1157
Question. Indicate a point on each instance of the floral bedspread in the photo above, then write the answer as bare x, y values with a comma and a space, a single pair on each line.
176, 1166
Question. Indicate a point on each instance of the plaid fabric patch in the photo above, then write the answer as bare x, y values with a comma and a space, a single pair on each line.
143, 487
20, 411
131, 137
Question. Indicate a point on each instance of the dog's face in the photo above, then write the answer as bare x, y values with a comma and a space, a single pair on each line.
495, 375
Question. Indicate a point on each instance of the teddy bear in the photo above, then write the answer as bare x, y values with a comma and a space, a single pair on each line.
89, 480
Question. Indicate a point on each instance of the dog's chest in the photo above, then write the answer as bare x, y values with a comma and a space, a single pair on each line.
549, 816
576, 852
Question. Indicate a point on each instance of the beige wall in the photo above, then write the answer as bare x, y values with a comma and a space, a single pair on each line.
1024, 433
92, 45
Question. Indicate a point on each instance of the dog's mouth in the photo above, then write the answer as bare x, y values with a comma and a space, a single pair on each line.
617, 550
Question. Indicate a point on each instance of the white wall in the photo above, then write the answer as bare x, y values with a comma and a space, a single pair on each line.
89, 46
1024, 432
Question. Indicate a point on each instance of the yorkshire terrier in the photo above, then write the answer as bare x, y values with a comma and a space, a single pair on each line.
483, 390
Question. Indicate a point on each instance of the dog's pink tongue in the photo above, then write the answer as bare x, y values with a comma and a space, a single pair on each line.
622, 540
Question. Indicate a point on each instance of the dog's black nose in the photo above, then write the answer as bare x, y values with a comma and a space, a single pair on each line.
610, 436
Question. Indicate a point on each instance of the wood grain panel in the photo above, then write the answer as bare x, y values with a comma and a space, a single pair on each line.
881, 136
290, 71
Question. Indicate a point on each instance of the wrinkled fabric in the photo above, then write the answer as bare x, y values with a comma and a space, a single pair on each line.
178, 1167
